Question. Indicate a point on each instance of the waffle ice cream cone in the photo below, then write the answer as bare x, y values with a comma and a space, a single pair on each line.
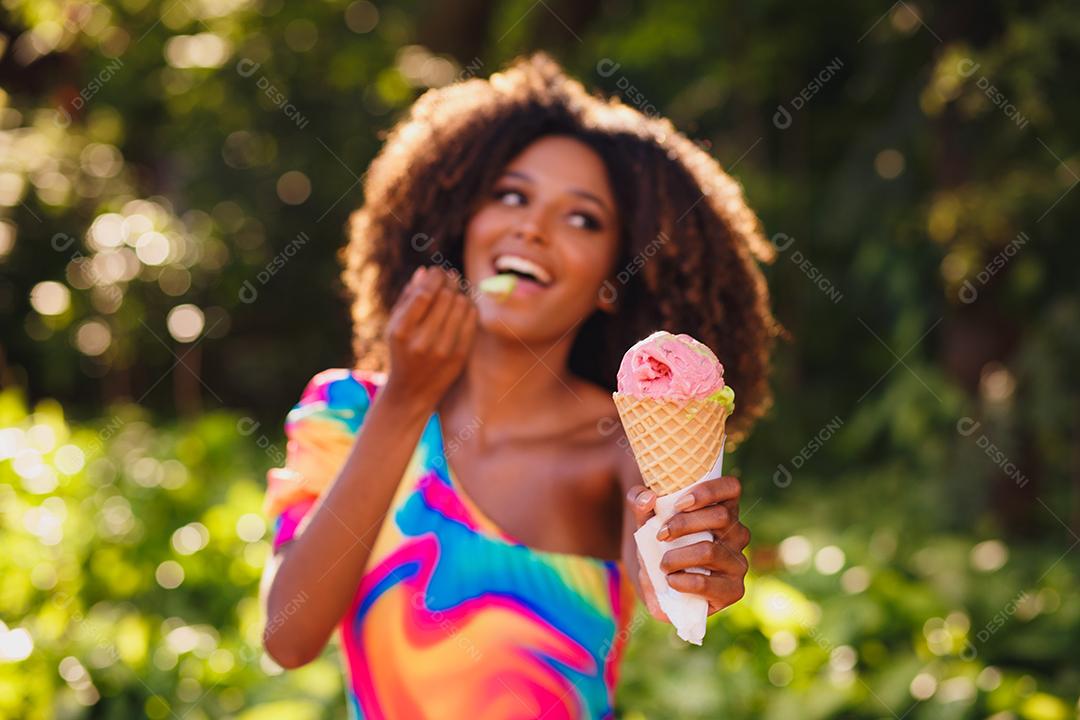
675, 442
673, 404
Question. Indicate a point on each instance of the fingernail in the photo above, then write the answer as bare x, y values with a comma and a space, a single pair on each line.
664, 534
642, 499
686, 501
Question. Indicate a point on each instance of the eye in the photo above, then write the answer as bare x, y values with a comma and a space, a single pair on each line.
585, 221
510, 197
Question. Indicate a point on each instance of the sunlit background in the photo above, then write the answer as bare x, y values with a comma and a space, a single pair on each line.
174, 180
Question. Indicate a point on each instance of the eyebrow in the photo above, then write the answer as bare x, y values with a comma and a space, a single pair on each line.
573, 191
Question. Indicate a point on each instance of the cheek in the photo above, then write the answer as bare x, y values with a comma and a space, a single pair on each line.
485, 225
480, 232
592, 261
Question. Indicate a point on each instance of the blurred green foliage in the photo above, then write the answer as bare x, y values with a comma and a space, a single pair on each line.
132, 557
174, 178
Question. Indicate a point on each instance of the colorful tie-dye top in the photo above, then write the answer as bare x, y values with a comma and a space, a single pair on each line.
453, 618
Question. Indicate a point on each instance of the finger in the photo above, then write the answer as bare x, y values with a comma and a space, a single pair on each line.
416, 277
445, 280
447, 337
735, 536
408, 310
710, 492
708, 554
641, 501
416, 306
451, 279
434, 278
721, 590
431, 325
712, 518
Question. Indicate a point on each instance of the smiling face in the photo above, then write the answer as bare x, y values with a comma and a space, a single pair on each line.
550, 219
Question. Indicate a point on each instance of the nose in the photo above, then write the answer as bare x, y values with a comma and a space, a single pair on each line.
531, 228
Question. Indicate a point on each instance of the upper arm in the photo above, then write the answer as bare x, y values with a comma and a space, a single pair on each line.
319, 431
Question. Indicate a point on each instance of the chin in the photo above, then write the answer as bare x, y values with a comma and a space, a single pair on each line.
523, 323
530, 323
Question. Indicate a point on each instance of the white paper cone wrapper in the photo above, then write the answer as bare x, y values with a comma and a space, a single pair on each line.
686, 611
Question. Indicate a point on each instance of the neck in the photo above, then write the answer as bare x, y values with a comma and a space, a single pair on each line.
503, 377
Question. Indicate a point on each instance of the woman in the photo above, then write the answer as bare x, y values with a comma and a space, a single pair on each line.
461, 504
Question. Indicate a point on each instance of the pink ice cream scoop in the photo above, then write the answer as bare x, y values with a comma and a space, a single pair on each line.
671, 367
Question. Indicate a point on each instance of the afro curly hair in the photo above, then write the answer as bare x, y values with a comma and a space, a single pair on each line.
690, 244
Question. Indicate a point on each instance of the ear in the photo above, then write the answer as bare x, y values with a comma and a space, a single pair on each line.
607, 298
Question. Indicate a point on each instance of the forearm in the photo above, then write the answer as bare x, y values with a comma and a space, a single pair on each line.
319, 570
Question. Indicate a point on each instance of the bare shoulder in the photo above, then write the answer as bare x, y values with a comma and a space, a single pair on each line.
604, 430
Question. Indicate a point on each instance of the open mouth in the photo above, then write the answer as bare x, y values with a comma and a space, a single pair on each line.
523, 268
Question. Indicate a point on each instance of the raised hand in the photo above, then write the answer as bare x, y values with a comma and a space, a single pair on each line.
429, 333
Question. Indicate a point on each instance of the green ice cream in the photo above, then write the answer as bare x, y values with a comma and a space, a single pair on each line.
726, 397
500, 286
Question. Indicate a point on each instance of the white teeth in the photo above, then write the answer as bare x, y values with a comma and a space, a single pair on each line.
522, 265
